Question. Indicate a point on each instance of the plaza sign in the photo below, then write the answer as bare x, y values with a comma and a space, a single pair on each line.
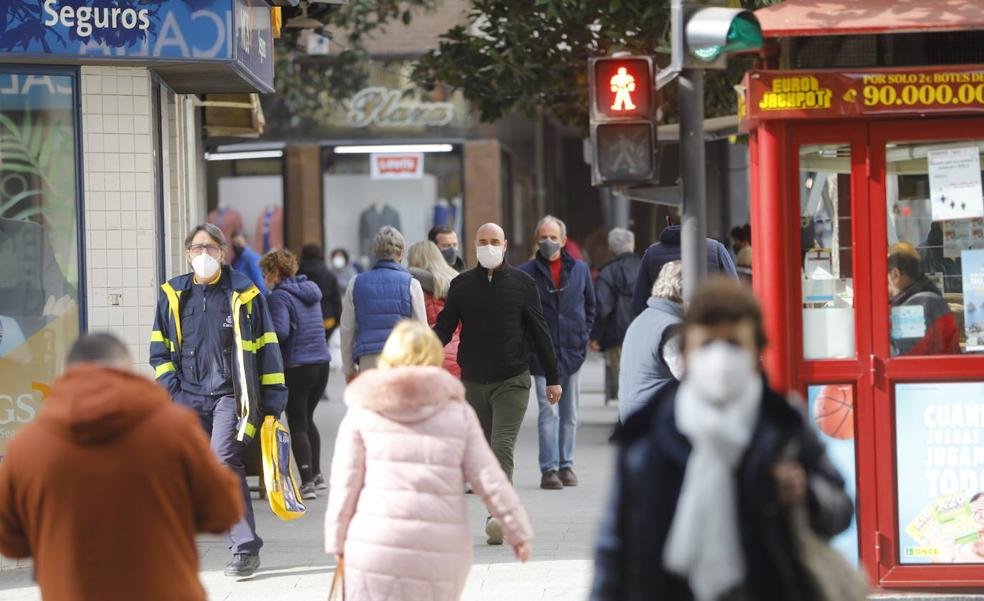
384, 107
209, 38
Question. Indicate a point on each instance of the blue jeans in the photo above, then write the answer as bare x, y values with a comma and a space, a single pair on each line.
558, 423
218, 417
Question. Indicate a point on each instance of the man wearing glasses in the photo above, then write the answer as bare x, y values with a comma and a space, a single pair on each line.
568, 300
213, 347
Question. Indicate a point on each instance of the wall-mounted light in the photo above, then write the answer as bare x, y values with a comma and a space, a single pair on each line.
238, 156
393, 148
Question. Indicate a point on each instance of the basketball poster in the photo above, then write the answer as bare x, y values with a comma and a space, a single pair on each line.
940, 465
832, 412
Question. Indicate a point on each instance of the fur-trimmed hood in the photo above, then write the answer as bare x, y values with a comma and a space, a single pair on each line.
405, 394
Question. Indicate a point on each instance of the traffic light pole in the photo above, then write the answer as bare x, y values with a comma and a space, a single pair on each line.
693, 248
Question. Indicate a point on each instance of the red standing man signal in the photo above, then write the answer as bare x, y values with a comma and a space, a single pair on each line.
623, 85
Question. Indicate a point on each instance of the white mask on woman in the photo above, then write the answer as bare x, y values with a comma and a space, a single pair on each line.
720, 371
489, 256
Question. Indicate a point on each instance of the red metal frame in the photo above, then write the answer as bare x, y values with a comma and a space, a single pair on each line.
909, 369
857, 372
774, 149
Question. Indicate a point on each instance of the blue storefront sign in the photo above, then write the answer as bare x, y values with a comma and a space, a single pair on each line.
237, 33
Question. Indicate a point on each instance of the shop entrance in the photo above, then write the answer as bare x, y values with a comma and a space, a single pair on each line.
885, 332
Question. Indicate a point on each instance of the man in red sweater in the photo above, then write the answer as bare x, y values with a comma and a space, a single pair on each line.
108, 487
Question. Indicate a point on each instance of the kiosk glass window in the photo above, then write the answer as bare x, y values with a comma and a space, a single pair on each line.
39, 240
826, 254
936, 248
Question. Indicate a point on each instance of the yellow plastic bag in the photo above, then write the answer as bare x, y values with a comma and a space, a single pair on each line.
279, 475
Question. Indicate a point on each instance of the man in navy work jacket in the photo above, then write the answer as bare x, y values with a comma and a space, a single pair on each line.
376, 301
668, 249
214, 348
568, 300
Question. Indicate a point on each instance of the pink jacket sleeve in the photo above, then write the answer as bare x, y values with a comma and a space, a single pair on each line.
488, 480
348, 470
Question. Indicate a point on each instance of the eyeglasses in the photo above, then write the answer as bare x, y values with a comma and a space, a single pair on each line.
212, 249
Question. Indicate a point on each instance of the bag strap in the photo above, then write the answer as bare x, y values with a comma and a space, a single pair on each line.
338, 582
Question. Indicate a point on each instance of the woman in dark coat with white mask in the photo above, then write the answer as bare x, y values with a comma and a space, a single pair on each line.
707, 471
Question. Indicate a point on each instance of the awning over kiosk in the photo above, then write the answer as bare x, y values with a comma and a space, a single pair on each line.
799, 18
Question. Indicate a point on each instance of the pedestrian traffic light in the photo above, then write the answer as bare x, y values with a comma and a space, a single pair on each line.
704, 34
622, 87
623, 135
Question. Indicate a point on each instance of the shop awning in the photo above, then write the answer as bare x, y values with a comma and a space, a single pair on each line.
797, 18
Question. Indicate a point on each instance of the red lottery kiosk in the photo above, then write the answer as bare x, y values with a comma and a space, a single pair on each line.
868, 220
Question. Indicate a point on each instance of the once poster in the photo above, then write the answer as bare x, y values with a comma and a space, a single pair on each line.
939, 435
955, 183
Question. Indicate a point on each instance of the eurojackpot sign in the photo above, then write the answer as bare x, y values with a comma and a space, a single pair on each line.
831, 95
235, 35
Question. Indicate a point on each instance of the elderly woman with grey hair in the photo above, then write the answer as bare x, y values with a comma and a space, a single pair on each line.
651, 355
376, 301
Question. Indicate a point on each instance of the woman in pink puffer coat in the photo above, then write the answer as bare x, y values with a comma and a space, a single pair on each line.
396, 510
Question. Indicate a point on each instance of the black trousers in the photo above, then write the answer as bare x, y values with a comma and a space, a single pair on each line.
305, 385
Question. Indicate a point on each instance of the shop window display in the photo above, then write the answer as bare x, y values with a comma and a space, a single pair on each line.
936, 248
39, 243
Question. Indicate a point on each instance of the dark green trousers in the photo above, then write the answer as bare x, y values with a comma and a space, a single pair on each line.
500, 407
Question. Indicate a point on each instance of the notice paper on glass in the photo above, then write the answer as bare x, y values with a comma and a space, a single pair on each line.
972, 263
955, 183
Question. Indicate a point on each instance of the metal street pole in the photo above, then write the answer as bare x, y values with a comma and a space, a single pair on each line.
693, 248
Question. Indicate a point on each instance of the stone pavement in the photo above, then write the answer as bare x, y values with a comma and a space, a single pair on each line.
295, 568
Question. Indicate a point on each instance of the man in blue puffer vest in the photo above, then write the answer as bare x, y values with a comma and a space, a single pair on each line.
376, 301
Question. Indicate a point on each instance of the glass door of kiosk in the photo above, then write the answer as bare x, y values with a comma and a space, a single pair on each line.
827, 241
926, 249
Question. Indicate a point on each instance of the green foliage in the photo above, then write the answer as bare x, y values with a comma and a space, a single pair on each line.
531, 55
314, 86
43, 152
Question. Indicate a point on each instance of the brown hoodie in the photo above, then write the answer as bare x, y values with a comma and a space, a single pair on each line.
107, 488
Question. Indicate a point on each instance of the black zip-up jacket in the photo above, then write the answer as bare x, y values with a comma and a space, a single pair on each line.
499, 321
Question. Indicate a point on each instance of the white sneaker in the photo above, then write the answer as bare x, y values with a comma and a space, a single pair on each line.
494, 531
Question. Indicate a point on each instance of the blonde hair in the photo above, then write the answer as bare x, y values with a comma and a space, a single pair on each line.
669, 283
411, 343
427, 256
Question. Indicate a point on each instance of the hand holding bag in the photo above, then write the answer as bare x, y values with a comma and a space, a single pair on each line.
279, 475
829, 575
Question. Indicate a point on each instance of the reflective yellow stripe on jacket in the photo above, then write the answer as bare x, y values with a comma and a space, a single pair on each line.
158, 336
172, 303
163, 368
268, 379
255, 345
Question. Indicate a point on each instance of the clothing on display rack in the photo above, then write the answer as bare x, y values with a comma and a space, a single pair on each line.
228, 220
269, 230
370, 222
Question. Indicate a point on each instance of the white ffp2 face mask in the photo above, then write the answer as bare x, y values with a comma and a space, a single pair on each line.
205, 267
720, 371
489, 256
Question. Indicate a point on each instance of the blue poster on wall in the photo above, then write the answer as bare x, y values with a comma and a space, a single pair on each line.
972, 262
832, 410
939, 430
238, 32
